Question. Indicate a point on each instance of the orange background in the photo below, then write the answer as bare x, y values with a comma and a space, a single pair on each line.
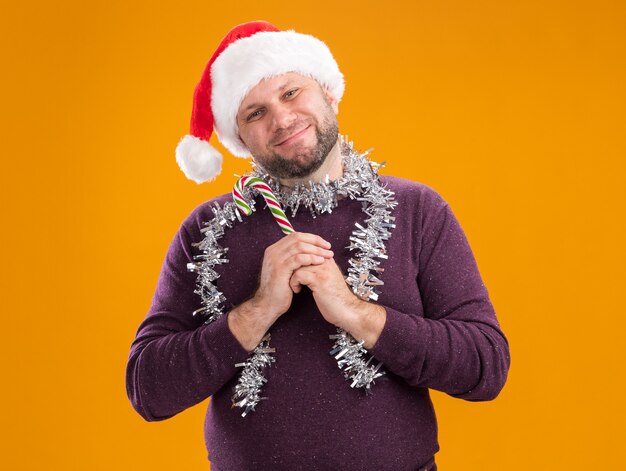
512, 110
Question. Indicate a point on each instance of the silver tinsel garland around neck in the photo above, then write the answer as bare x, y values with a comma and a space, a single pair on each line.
360, 181
322, 197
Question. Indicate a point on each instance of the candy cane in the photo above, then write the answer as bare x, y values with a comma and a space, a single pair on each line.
270, 199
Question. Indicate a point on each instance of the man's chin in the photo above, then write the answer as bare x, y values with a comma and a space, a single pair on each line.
296, 167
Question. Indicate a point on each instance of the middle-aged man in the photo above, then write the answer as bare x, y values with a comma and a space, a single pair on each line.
317, 348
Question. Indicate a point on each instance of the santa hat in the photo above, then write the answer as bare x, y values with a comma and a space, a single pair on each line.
249, 53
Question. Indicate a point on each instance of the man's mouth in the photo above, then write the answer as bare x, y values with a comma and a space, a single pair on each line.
294, 136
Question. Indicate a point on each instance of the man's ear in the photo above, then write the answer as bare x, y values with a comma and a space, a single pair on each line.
332, 101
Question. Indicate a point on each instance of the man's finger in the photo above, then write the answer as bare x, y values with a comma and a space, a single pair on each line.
305, 247
302, 260
302, 277
309, 238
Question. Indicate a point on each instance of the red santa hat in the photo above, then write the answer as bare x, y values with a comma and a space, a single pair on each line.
249, 53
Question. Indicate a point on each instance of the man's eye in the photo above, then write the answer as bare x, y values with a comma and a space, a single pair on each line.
254, 115
291, 93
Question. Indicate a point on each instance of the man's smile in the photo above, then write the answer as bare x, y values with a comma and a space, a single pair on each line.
293, 137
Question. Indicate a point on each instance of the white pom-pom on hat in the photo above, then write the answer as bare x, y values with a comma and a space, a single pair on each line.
199, 160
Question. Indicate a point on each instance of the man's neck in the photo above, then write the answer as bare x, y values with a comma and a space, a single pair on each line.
332, 166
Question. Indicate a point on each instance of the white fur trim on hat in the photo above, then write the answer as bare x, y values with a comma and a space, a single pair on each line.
247, 61
198, 159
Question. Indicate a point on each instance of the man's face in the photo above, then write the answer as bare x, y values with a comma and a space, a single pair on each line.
289, 124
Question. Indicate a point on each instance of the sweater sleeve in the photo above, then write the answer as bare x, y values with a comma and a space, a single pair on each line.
458, 346
175, 360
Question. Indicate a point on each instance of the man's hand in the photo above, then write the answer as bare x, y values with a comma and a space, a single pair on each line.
251, 320
337, 303
280, 261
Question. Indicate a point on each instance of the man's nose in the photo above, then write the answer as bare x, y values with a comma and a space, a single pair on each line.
283, 117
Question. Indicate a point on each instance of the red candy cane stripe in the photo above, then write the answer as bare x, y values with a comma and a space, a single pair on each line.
268, 195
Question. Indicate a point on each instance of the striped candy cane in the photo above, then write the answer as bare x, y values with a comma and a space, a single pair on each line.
270, 199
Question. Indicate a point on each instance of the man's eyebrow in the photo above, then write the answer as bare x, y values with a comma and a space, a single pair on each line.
278, 89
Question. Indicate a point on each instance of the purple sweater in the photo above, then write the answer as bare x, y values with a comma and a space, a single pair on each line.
441, 332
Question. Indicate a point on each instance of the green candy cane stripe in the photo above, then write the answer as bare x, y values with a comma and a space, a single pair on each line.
268, 195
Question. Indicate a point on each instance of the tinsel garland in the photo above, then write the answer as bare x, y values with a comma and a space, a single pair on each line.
360, 181
251, 379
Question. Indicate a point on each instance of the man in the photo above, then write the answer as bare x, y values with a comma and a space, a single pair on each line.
378, 273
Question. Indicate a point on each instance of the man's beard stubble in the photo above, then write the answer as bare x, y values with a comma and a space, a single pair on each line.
280, 167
